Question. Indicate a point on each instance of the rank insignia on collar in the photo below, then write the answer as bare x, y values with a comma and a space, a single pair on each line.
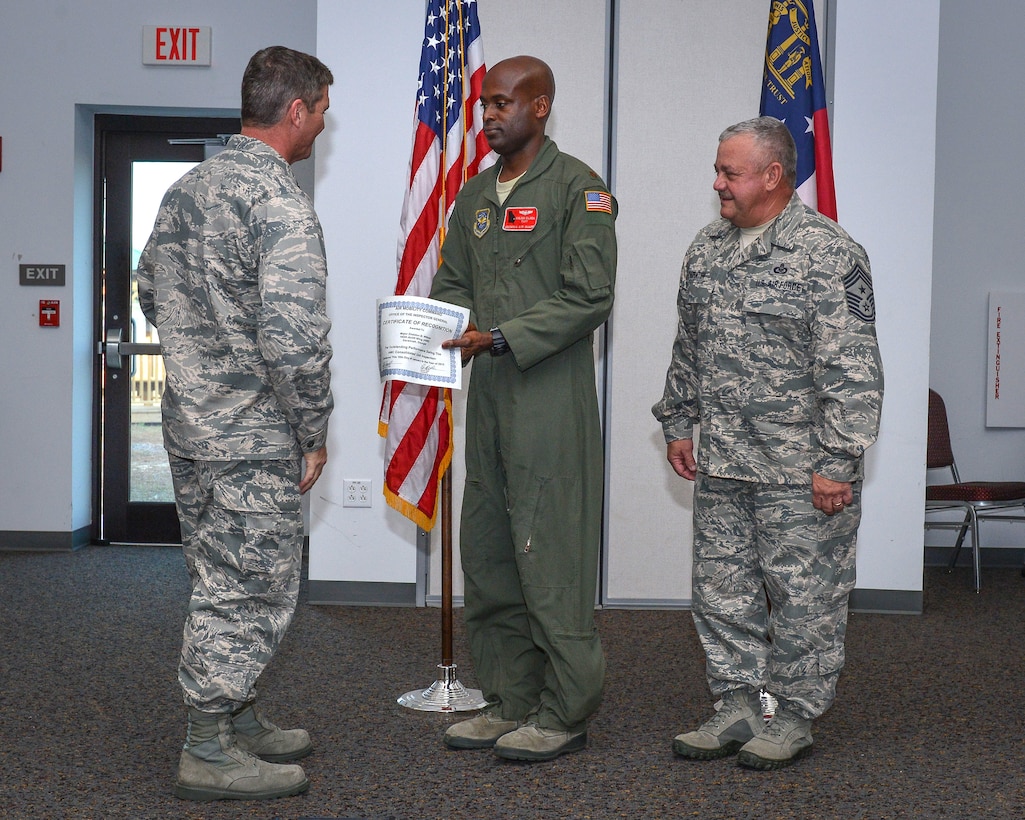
482, 222
861, 302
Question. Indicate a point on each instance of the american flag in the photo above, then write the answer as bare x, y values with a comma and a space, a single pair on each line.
448, 148
793, 91
598, 201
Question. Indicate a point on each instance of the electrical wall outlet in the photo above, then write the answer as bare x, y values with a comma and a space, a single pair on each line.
357, 492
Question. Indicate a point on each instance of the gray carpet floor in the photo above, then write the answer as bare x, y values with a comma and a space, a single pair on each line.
928, 720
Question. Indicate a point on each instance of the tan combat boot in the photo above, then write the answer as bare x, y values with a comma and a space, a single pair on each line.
738, 720
257, 735
213, 767
785, 739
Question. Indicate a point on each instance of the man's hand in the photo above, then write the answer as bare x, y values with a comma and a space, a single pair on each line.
470, 343
315, 462
828, 495
680, 454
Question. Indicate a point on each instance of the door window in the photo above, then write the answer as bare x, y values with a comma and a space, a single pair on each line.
149, 476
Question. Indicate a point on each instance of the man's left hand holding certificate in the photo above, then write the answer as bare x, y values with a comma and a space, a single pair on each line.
410, 330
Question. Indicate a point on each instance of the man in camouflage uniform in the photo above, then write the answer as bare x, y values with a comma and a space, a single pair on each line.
531, 250
776, 361
234, 278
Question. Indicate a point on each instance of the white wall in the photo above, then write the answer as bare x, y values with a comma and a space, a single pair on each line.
685, 70
980, 245
55, 56
359, 204
373, 50
884, 158
676, 93
667, 138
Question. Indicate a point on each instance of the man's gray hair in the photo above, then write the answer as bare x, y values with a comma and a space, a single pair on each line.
773, 139
274, 78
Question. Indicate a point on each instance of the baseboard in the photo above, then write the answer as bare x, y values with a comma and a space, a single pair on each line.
615, 603
22, 541
369, 593
646, 603
361, 593
882, 601
886, 601
879, 601
993, 557
435, 600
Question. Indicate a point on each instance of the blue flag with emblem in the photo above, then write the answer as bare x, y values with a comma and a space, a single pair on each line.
793, 91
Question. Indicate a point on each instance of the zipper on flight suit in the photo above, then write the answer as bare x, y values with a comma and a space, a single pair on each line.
530, 247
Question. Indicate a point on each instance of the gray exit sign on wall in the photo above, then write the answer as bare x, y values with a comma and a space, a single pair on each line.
41, 275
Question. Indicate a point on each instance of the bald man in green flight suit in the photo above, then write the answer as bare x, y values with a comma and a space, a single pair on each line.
531, 251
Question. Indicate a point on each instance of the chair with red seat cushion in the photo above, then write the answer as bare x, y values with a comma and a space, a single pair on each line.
978, 500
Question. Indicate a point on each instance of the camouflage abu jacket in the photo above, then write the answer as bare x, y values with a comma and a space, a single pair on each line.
776, 356
234, 278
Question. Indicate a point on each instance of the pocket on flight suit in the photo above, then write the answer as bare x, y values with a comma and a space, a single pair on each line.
542, 560
586, 268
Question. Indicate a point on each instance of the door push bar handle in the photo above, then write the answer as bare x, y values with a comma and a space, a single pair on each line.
115, 350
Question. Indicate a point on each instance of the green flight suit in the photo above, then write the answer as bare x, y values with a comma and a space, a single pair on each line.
541, 268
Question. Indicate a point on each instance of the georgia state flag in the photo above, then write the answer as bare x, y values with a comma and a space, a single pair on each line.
793, 91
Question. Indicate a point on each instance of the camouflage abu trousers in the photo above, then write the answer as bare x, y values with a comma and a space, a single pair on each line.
242, 538
751, 539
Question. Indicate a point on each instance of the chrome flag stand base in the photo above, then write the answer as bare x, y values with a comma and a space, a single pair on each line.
444, 695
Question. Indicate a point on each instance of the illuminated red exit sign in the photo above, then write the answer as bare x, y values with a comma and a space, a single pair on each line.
176, 45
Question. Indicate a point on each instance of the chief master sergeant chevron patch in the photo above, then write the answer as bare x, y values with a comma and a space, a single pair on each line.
861, 302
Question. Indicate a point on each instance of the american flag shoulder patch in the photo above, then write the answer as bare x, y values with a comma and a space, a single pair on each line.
599, 201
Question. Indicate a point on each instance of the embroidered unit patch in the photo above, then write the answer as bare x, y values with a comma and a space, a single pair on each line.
482, 223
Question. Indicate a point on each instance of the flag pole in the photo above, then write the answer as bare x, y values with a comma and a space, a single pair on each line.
446, 694
446, 569
438, 112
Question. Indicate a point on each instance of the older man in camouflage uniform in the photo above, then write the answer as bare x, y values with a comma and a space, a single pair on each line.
234, 278
776, 361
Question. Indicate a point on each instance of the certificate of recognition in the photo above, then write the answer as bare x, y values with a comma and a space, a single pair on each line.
410, 330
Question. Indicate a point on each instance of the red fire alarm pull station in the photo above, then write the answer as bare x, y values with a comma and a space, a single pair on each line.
49, 313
